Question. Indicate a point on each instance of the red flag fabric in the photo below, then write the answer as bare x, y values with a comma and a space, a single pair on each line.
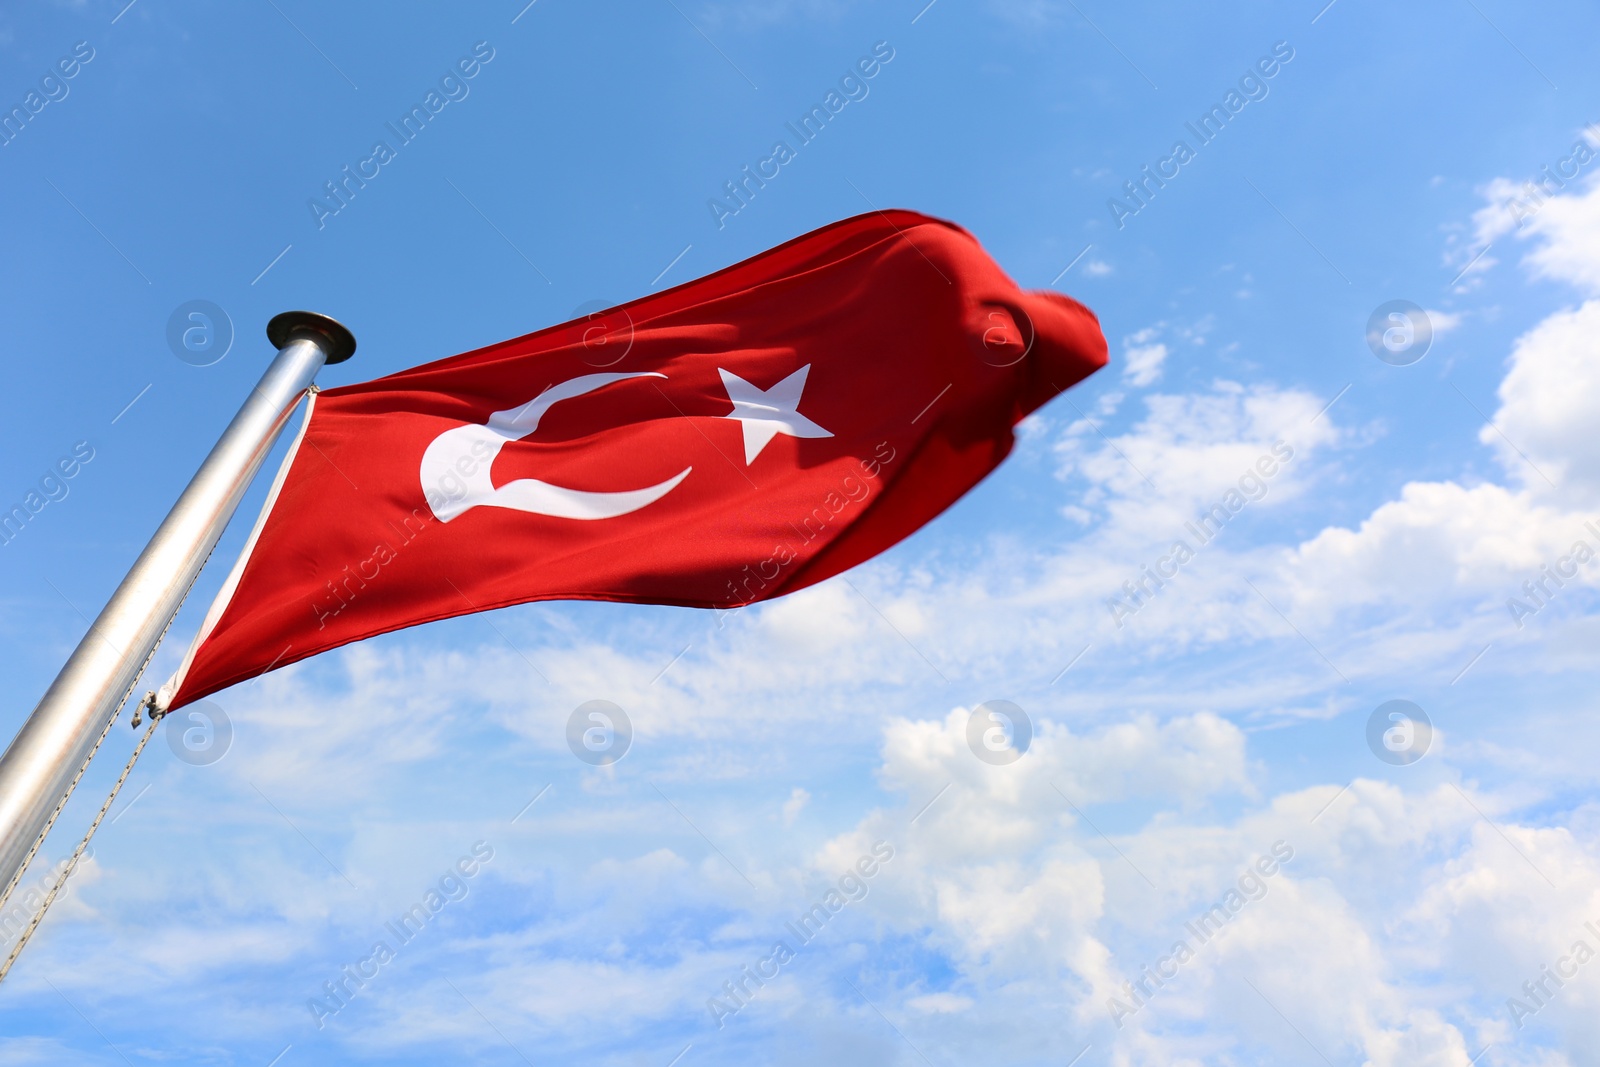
727, 441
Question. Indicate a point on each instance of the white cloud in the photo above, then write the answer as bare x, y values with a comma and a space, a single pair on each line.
795, 805
1141, 364
1568, 231
1437, 542
1442, 322
941, 1003
1548, 402
1188, 450
1440, 542
1497, 218
1563, 216
1346, 940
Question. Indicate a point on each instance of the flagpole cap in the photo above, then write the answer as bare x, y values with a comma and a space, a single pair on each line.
329, 335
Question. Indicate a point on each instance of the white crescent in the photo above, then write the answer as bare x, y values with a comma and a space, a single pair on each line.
455, 468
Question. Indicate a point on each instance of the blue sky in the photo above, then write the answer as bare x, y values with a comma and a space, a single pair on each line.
1222, 724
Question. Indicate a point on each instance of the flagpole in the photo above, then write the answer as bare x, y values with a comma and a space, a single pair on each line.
39, 767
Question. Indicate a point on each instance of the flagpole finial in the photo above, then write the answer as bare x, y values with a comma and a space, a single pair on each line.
331, 336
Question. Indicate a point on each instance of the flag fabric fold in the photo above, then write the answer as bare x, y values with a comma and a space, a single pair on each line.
733, 439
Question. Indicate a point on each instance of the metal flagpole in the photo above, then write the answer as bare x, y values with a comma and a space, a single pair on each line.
37, 771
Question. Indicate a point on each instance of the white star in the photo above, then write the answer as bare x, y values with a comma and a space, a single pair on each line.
765, 413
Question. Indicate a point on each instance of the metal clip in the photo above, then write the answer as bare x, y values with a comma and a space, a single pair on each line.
149, 702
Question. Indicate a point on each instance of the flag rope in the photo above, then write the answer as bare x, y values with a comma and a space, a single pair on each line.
155, 717
62, 803
77, 854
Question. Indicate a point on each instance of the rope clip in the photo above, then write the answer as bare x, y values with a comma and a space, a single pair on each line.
147, 704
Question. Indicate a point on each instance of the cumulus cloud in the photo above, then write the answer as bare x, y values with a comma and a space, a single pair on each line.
1446, 541
1437, 542
1518, 208
1373, 893
1142, 358
1544, 430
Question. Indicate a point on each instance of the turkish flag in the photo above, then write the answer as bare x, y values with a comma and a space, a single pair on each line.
727, 441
